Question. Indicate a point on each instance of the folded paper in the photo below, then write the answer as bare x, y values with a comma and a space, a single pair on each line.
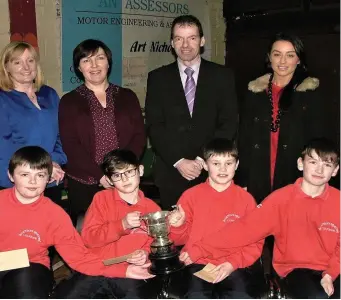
14, 259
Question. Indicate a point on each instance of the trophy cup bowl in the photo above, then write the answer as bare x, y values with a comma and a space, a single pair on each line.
164, 256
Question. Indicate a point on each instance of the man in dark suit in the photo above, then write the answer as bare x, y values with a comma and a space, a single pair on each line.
188, 103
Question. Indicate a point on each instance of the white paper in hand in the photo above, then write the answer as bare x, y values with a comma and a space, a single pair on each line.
14, 259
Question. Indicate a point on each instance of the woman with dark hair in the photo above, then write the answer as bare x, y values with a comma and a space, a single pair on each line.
282, 110
95, 118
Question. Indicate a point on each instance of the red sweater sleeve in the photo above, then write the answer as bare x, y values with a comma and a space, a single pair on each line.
250, 253
70, 246
334, 263
98, 230
180, 235
250, 229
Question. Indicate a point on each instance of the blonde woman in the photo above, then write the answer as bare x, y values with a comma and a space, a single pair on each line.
28, 112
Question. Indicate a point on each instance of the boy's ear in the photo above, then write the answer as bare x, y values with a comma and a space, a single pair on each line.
205, 166
335, 171
300, 163
109, 180
10, 177
141, 170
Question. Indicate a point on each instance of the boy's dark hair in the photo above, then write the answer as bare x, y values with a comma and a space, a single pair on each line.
220, 146
118, 159
36, 157
187, 20
326, 149
86, 48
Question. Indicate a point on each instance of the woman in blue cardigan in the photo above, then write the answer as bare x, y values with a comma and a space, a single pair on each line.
28, 112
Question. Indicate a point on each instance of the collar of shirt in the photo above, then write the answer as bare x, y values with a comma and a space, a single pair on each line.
182, 68
140, 201
229, 189
301, 194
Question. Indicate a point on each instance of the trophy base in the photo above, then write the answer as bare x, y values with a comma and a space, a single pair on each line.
165, 264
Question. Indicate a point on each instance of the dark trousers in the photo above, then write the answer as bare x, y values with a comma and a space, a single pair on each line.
98, 287
305, 284
35, 281
80, 196
234, 286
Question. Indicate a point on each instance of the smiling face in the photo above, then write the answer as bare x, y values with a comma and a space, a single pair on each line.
283, 59
316, 172
29, 183
187, 42
95, 67
221, 170
22, 68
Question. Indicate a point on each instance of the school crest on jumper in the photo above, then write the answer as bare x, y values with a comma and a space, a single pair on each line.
231, 218
31, 234
328, 226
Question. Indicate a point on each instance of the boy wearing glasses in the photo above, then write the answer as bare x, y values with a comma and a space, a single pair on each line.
112, 225
30, 223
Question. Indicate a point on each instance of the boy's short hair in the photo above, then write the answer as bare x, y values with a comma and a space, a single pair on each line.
36, 157
220, 146
118, 159
326, 149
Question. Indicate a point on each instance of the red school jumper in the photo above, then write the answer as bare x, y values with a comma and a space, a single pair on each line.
306, 230
103, 230
207, 211
42, 224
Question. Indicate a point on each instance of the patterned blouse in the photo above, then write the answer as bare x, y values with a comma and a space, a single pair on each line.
104, 124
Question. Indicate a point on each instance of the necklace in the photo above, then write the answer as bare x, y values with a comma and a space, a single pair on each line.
274, 123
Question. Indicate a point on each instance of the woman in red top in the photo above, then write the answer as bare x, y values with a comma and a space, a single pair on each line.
96, 118
282, 110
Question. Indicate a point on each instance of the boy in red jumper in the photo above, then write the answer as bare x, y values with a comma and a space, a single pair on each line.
304, 218
112, 225
30, 220
205, 209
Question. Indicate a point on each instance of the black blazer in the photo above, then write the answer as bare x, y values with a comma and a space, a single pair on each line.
306, 118
173, 133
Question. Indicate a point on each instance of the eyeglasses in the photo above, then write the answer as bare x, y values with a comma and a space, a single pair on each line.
118, 176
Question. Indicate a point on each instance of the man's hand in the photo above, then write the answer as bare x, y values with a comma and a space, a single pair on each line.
138, 272
139, 258
327, 284
189, 169
57, 173
177, 217
104, 183
131, 220
223, 270
184, 256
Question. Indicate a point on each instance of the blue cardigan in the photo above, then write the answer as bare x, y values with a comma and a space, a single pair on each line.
23, 124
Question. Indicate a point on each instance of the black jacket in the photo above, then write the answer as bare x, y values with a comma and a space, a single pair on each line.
306, 118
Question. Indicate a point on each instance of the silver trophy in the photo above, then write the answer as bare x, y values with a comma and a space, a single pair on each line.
164, 256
